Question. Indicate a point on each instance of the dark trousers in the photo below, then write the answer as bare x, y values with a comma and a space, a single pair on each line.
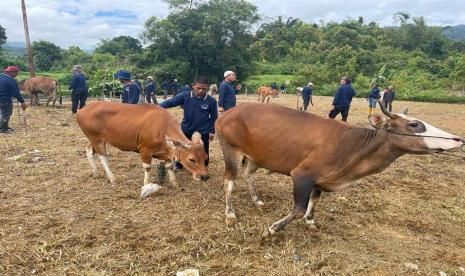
306, 102
151, 96
344, 110
165, 94
78, 99
6, 109
388, 105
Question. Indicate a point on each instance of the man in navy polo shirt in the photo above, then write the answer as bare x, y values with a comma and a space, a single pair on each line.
342, 100
8, 89
227, 93
131, 91
78, 87
200, 112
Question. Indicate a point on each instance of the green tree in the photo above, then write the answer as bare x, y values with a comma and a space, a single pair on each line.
119, 46
2, 37
46, 55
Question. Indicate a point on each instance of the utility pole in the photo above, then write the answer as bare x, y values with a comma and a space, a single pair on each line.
30, 61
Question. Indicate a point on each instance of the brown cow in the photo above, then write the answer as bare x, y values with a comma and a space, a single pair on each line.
265, 92
319, 154
150, 130
45, 85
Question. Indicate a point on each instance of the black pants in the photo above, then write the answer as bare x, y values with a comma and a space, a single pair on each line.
344, 110
78, 99
151, 96
306, 102
6, 109
388, 105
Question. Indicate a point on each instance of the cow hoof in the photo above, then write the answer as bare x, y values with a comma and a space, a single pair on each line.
311, 224
149, 189
259, 203
267, 232
231, 218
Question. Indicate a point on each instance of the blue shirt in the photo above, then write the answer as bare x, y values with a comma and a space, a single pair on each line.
200, 114
9, 89
131, 93
307, 92
149, 88
389, 95
274, 86
227, 98
165, 85
344, 95
174, 86
78, 82
374, 94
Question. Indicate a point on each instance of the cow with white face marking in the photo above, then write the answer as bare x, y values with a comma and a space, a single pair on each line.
318, 153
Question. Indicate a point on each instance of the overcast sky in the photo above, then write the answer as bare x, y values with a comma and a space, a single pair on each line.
85, 22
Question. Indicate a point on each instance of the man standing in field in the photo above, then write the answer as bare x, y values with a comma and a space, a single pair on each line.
388, 97
78, 87
131, 91
165, 87
307, 95
342, 99
373, 98
149, 91
227, 93
8, 89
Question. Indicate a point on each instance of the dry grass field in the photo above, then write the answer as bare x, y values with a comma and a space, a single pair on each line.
55, 219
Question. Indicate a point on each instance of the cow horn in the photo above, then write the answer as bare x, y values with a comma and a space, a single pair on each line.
385, 111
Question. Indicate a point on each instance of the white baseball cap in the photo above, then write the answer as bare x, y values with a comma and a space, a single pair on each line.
310, 84
227, 73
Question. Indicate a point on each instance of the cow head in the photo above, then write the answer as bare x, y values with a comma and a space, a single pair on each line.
192, 156
414, 136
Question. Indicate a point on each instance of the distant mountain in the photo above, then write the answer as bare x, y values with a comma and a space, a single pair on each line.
455, 33
14, 48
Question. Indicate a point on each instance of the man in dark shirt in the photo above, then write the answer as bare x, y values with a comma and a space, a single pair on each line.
174, 88
227, 93
307, 95
78, 87
342, 99
200, 111
131, 90
8, 89
373, 98
149, 90
388, 97
165, 87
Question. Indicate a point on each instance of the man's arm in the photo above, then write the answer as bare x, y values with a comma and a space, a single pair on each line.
134, 92
176, 101
213, 116
337, 97
72, 82
221, 93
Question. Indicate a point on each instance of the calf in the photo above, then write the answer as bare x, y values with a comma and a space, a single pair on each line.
149, 130
265, 92
319, 154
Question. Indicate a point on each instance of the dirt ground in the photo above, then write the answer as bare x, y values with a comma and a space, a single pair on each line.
55, 219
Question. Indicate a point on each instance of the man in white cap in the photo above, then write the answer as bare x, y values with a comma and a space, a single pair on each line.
149, 90
227, 93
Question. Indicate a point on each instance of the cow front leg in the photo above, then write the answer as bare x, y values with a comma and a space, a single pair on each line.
250, 169
106, 167
309, 215
303, 185
172, 175
148, 187
91, 158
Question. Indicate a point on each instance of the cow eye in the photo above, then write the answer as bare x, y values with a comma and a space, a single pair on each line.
413, 124
191, 160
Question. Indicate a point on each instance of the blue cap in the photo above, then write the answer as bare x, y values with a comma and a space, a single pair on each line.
123, 74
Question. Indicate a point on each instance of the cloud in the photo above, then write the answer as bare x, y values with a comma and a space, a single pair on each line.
85, 22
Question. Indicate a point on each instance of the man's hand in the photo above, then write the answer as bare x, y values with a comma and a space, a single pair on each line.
211, 137
220, 109
23, 106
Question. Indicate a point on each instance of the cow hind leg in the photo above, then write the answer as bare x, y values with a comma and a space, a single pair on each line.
249, 171
100, 149
231, 161
309, 215
303, 185
91, 158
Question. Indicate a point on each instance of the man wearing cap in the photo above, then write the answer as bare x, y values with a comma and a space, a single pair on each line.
342, 99
200, 111
78, 89
149, 91
307, 95
8, 89
131, 91
227, 94
174, 87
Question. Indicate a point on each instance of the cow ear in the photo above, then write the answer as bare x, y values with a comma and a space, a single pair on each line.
197, 138
377, 121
